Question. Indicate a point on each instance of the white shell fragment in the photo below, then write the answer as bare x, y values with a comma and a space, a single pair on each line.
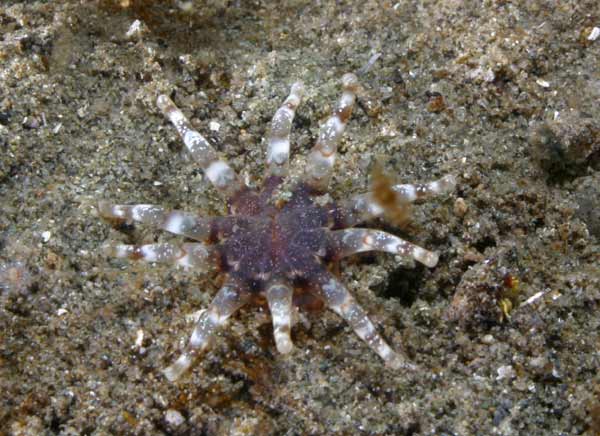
543, 83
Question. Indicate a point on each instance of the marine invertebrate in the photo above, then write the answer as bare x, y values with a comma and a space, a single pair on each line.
273, 249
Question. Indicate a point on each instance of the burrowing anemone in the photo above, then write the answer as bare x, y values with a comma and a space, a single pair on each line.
272, 249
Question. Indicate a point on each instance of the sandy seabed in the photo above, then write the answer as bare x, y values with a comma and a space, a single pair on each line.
505, 329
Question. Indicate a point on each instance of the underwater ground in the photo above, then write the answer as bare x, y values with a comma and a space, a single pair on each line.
505, 330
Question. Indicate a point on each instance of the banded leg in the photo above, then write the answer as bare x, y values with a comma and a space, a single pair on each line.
322, 156
227, 301
177, 222
279, 297
278, 151
339, 299
424, 191
223, 178
189, 255
352, 241
363, 207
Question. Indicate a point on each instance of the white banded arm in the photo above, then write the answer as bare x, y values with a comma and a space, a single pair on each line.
424, 191
177, 222
223, 178
339, 299
278, 151
227, 301
279, 297
363, 207
321, 158
352, 241
189, 255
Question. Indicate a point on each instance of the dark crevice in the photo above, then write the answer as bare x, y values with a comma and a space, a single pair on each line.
404, 284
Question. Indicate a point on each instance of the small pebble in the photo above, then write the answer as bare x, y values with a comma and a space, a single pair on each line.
137, 29
460, 207
139, 339
543, 83
506, 371
174, 418
488, 339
